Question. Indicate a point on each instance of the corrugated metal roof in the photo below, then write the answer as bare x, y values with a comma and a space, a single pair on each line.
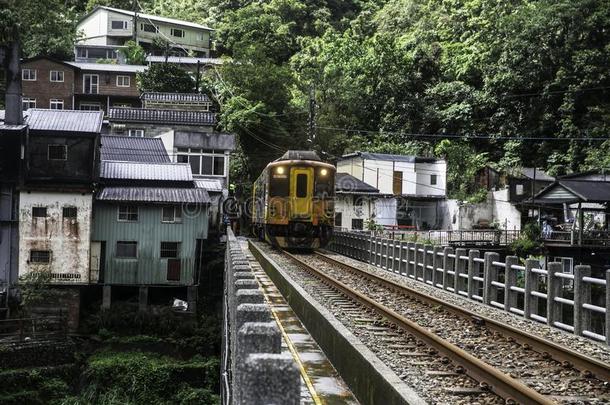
108, 67
146, 171
39, 119
175, 97
155, 18
133, 149
347, 183
211, 185
185, 60
154, 194
162, 116
568, 191
389, 157
539, 174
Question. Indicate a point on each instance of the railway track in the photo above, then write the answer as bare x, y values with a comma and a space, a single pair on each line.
512, 364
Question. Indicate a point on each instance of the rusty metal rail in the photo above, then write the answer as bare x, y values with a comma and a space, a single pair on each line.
498, 382
545, 347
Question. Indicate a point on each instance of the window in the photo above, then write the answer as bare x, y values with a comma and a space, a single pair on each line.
177, 32
57, 75
200, 36
136, 132
338, 219
433, 179
82, 53
519, 189
28, 75
121, 105
128, 250
203, 162
56, 104
40, 256
123, 81
357, 224
301, 185
128, 213
279, 185
69, 212
148, 28
91, 84
28, 102
90, 106
171, 214
57, 152
169, 249
397, 183
119, 25
39, 212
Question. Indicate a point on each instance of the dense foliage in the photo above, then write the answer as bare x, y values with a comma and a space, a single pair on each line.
519, 82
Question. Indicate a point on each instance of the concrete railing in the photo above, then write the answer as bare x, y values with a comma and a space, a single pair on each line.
507, 285
253, 369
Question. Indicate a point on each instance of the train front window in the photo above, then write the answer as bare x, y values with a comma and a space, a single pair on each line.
279, 186
324, 187
301, 185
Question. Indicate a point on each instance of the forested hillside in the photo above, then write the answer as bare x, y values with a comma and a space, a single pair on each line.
509, 82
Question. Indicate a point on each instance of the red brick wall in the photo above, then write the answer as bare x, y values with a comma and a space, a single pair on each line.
43, 89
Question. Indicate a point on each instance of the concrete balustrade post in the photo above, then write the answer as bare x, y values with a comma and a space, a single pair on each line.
437, 262
419, 261
554, 287
490, 273
270, 379
607, 326
510, 280
472, 272
447, 265
371, 251
582, 295
530, 302
388, 248
459, 269
409, 258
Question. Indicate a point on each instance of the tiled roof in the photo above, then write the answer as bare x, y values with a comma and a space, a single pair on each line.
176, 97
155, 194
346, 183
133, 149
146, 171
568, 191
390, 157
108, 67
162, 116
39, 119
184, 60
155, 18
539, 174
211, 185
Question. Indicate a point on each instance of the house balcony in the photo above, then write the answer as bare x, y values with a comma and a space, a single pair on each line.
588, 238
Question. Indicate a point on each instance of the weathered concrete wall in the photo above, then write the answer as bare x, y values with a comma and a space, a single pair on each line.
345, 206
455, 215
505, 213
68, 239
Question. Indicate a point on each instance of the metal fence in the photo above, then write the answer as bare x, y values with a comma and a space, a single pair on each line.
33, 329
548, 295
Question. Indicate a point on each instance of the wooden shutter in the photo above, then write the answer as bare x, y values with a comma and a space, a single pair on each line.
397, 183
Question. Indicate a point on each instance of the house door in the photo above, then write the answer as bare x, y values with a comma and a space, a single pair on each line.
173, 269
301, 188
397, 183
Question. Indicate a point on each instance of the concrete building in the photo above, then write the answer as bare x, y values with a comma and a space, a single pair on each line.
417, 184
355, 203
105, 30
150, 225
61, 154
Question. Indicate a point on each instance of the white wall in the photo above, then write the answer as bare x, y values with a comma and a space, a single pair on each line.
505, 213
424, 171
68, 240
94, 25
344, 204
457, 215
385, 211
351, 166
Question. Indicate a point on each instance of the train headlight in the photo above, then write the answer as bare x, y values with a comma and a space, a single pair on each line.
323, 172
280, 170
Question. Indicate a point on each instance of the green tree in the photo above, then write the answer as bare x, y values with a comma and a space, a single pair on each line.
133, 53
165, 77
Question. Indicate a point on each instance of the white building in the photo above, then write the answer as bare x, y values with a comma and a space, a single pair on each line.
354, 203
105, 30
417, 185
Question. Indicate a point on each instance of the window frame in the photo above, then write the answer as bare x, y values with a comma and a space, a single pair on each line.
128, 213
130, 242
144, 25
49, 254
69, 209
136, 131
123, 77
173, 30
97, 83
65, 154
433, 179
57, 80
46, 213
56, 102
176, 219
162, 249
519, 189
29, 78
124, 23
30, 100
89, 104
200, 154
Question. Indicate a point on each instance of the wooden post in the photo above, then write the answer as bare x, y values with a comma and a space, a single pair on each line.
530, 302
582, 295
510, 280
472, 266
447, 265
490, 273
554, 287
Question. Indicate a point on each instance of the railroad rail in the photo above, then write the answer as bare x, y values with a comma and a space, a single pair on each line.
489, 377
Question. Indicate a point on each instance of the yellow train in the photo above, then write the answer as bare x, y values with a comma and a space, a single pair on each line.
294, 201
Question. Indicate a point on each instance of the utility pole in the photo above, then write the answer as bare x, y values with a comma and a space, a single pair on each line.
135, 21
311, 122
198, 77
